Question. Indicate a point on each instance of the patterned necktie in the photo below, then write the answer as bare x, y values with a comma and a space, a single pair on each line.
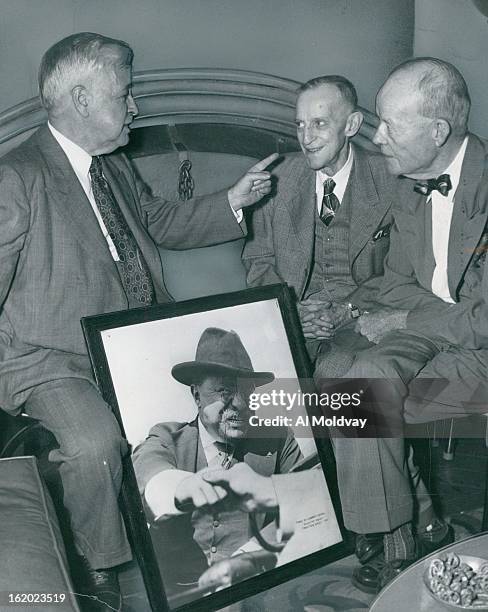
135, 272
330, 202
442, 184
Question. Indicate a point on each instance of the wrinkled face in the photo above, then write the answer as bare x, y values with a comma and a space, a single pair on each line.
322, 121
404, 136
112, 109
223, 406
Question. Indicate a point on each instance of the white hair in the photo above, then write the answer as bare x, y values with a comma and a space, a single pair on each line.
76, 57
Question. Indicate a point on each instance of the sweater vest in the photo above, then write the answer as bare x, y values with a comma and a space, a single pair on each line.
331, 277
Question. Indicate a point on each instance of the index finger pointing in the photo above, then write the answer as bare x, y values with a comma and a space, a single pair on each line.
261, 165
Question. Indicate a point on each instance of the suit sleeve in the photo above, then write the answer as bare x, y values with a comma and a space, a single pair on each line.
199, 222
366, 295
462, 324
258, 254
154, 455
14, 226
157, 473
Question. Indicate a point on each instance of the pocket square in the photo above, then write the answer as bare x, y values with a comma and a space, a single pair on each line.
382, 232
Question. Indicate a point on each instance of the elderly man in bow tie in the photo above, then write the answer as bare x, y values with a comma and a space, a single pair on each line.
436, 284
171, 463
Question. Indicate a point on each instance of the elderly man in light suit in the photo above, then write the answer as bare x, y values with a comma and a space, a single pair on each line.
78, 235
326, 230
436, 282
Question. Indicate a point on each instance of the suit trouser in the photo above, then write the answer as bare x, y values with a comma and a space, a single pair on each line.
89, 464
372, 472
333, 359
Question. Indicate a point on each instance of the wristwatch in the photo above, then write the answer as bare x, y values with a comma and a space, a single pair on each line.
354, 311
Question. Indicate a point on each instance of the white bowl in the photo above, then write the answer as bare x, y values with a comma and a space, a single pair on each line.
475, 563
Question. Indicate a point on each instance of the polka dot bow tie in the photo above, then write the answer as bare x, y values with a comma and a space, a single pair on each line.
442, 184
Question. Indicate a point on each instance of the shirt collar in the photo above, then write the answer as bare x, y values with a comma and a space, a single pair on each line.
340, 178
79, 159
454, 168
206, 438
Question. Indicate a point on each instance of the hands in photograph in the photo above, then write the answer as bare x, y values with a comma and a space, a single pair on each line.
195, 492
250, 491
253, 186
236, 568
240, 485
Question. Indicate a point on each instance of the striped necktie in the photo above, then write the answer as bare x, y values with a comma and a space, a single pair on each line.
226, 454
330, 202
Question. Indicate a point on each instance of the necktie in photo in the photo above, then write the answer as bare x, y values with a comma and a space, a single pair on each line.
136, 276
330, 202
442, 184
225, 455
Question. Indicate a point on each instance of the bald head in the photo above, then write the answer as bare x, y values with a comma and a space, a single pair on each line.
441, 89
423, 109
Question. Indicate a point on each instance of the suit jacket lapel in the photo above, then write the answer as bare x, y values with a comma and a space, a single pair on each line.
469, 212
413, 218
190, 455
69, 199
367, 210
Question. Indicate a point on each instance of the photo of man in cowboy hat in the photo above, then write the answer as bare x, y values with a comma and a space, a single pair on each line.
192, 526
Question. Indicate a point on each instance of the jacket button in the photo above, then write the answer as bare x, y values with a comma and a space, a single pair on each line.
216, 523
213, 549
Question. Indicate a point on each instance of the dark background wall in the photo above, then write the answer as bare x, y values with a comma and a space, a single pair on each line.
456, 31
298, 39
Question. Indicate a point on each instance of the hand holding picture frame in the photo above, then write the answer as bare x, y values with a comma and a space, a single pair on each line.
219, 503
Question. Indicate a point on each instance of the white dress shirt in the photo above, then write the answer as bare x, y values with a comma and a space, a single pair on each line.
442, 207
340, 178
80, 161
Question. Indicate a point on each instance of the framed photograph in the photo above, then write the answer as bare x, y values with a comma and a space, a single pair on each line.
228, 490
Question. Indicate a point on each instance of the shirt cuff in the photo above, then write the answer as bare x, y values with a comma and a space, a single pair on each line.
238, 214
251, 545
160, 493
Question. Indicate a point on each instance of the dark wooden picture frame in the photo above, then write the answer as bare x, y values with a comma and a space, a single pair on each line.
123, 344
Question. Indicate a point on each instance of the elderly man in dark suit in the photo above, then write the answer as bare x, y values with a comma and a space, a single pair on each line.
326, 230
172, 462
78, 235
435, 282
